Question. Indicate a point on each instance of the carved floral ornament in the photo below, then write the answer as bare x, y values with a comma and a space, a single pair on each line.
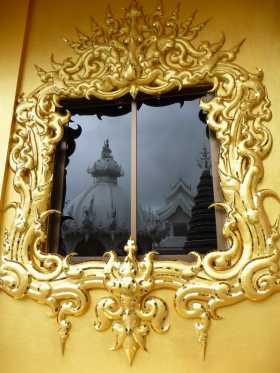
150, 53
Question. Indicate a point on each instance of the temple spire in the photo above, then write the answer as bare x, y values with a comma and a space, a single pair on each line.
204, 160
106, 151
201, 236
106, 168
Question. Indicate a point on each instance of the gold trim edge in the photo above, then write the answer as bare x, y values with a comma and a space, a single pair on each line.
149, 53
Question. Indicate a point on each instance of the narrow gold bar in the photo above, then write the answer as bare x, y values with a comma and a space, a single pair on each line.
133, 197
218, 196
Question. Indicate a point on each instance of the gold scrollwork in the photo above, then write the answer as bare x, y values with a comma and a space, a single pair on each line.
149, 53
129, 309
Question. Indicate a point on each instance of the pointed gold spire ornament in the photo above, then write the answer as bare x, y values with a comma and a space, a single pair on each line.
151, 53
129, 310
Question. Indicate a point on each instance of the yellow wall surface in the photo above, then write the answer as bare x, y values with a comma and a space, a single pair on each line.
13, 20
247, 339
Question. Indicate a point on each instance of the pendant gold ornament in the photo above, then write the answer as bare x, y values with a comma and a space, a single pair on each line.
149, 53
129, 309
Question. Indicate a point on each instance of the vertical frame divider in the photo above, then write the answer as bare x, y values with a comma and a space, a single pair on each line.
133, 206
218, 196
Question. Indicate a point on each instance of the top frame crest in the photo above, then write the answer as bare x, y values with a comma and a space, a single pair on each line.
151, 53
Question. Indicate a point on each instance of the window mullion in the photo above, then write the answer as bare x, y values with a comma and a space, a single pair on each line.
218, 196
133, 201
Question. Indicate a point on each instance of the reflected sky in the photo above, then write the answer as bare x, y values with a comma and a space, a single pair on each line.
170, 139
88, 149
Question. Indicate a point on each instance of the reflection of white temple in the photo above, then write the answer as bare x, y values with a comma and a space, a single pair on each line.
100, 215
176, 214
98, 219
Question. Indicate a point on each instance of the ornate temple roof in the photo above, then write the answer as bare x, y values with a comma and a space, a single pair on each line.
180, 196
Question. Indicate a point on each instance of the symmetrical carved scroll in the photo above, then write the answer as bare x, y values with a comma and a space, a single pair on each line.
151, 54
129, 309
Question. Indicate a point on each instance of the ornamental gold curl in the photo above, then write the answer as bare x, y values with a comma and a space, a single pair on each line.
150, 53
129, 309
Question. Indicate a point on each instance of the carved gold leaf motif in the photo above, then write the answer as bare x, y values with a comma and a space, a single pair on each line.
129, 309
149, 53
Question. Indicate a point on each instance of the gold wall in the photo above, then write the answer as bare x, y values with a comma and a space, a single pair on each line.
247, 339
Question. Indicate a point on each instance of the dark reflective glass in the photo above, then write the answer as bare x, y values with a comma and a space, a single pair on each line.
94, 163
175, 184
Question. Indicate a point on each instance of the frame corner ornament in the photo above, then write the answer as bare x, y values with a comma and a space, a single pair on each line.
151, 54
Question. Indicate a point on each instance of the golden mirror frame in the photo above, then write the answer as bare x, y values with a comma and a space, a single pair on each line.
150, 53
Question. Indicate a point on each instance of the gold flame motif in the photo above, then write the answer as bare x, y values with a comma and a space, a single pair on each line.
129, 309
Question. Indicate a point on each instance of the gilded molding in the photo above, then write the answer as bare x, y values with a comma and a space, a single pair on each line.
129, 310
150, 53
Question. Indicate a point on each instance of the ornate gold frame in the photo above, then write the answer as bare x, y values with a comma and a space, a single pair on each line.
151, 54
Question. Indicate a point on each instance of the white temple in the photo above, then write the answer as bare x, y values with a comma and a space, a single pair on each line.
99, 218
102, 211
176, 215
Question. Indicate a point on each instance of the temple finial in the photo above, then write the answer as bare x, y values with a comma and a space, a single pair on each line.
106, 151
204, 161
106, 166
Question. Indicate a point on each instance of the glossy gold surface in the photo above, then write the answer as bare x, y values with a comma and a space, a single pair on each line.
129, 310
248, 269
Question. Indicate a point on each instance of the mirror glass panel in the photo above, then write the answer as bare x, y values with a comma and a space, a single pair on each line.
175, 186
92, 179
94, 162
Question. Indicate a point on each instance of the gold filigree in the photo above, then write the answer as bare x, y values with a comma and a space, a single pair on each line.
137, 53
153, 54
129, 309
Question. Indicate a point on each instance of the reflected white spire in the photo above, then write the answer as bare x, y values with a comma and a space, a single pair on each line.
106, 168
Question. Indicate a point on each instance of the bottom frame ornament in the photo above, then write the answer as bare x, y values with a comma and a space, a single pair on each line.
130, 308
130, 311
